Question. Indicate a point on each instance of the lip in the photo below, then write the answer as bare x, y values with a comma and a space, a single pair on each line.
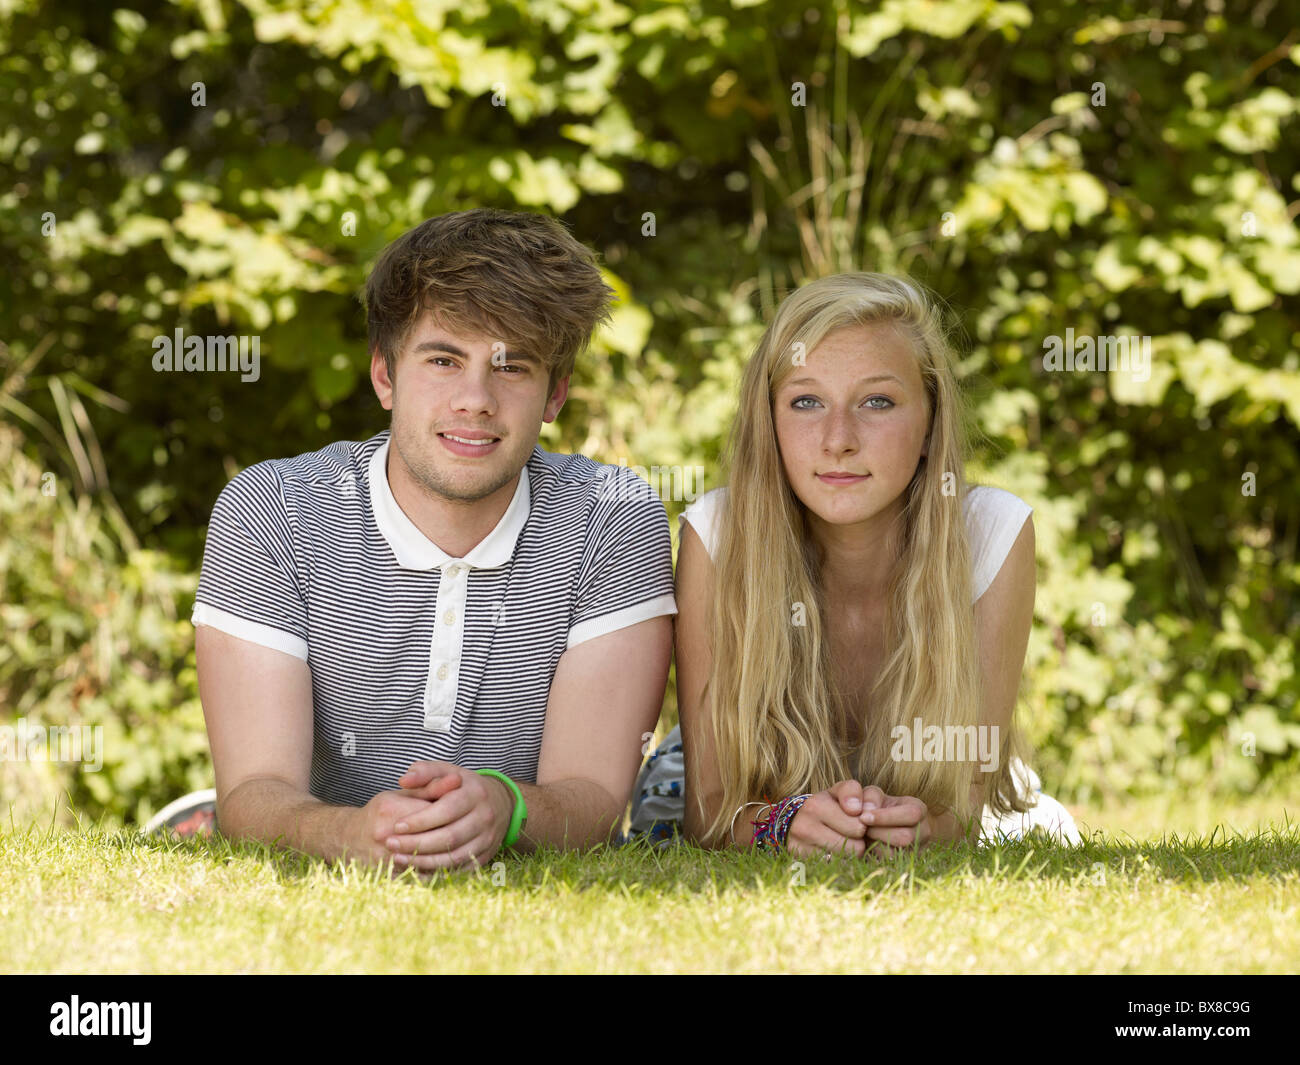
842, 478
472, 451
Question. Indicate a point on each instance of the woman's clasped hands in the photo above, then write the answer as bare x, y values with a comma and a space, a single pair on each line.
860, 820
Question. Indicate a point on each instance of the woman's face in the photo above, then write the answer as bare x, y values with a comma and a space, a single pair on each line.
852, 423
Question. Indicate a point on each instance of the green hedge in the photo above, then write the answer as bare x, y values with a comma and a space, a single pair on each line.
94, 636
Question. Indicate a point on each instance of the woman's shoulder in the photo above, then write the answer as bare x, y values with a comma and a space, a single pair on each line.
705, 515
984, 501
994, 518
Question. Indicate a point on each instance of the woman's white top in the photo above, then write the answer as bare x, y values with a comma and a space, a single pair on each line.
994, 518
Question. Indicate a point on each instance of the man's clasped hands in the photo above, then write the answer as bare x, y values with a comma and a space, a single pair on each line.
443, 817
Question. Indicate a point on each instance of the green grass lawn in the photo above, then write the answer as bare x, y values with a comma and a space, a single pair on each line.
1152, 891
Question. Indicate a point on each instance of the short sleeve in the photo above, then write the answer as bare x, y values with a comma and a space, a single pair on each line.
994, 518
626, 575
248, 584
704, 516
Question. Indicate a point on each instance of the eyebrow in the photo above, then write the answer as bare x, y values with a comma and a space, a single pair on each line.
452, 349
859, 381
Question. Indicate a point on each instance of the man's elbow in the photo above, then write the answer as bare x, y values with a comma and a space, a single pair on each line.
245, 807
605, 808
610, 810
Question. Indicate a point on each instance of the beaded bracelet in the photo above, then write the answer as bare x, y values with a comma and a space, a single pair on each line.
770, 834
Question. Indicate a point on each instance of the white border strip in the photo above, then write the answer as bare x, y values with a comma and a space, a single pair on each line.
621, 619
254, 632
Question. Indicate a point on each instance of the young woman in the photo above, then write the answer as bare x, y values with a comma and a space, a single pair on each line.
837, 690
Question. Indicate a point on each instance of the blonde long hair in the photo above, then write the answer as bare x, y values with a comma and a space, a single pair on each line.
780, 726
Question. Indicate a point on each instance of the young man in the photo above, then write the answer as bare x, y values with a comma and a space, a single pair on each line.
378, 621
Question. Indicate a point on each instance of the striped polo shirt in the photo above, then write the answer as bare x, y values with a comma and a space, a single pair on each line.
414, 654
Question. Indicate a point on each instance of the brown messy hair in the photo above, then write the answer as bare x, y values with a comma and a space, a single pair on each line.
510, 274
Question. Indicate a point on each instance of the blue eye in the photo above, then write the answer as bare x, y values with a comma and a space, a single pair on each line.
795, 403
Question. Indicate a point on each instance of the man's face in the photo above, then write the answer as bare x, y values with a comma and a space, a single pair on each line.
467, 408
852, 423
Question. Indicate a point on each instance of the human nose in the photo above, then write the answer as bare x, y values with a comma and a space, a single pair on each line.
839, 433
474, 393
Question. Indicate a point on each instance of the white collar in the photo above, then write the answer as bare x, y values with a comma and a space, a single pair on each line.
414, 550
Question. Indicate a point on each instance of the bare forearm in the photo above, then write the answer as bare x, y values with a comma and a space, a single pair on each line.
276, 812
570, 814
696, 821
946, 826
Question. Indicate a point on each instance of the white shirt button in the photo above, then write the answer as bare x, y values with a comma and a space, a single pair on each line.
442, 671
449, 618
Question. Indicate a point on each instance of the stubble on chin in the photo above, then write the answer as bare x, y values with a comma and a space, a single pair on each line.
461, 492
445, 484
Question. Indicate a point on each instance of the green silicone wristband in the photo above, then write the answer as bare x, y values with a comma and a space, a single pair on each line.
520, 811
